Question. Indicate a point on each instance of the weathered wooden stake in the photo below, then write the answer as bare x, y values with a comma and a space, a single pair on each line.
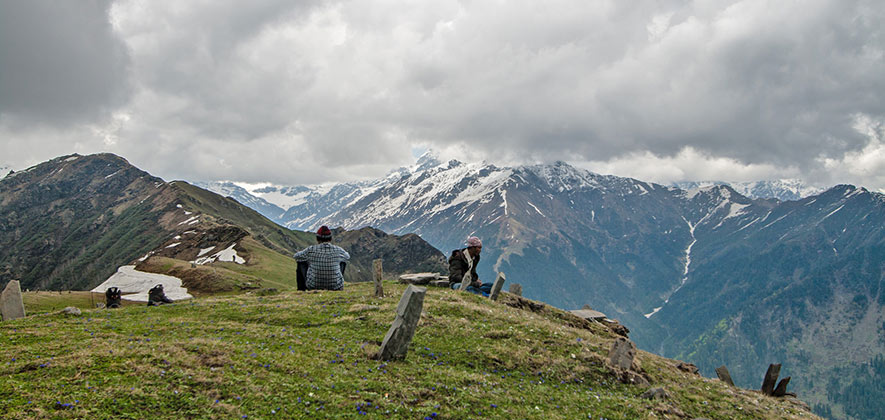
724, 376
516, 289
379, 273
400, 334
496, 288
774, 370
781, 389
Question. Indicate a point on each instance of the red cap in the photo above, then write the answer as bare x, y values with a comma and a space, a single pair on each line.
324, 232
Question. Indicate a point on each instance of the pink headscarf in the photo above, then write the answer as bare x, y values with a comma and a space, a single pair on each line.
473, 241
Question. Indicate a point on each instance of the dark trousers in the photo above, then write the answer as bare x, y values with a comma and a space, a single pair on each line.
301, 273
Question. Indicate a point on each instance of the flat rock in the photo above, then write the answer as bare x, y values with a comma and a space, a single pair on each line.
420, 278
655, 394
589, 314
11, 304
687, 367
70, 310
516, 289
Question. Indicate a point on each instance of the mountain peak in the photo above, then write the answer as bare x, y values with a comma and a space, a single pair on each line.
427, 161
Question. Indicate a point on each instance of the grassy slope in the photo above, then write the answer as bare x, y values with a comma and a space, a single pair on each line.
226, 210
266, 269
301, 354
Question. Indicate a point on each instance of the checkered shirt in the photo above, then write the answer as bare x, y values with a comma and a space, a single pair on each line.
324, 271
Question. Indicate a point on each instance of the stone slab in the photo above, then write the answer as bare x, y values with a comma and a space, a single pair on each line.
724, 375
516, 289
774, 370
399, 336
589, 314
11, 304
496, 287
420, 278
379, 275
622, 353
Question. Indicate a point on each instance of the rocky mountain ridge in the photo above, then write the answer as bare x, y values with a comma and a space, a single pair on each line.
70, 222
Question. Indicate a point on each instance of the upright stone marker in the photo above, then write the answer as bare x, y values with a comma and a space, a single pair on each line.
781, 389
770, 379
400, 334
516, 289
724, 376
622, 353
379, 273
11, 304
496, 288
468, 276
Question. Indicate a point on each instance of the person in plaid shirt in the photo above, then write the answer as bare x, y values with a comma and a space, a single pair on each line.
324, 259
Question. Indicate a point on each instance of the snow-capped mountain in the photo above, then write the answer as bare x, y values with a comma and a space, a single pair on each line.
708, 273
781, 189
229, 189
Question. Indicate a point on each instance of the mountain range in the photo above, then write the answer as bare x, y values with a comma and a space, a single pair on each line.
69, 223
705, 274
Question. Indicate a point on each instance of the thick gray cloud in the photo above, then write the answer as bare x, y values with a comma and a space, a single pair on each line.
333, 90
61, 62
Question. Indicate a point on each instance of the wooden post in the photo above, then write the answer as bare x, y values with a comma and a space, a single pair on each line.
496, 288
724, 376
770, 378
379, 273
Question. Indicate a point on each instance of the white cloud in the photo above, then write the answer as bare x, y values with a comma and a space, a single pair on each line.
687, 165
865, 166
312, 91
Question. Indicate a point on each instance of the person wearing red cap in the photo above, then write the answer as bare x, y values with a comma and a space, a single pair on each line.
464, 261
324, 263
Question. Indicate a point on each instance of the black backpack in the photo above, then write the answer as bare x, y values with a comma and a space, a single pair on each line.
156, 296
112, 297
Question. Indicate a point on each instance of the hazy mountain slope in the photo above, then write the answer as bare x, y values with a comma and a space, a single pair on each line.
772, 286
229, 189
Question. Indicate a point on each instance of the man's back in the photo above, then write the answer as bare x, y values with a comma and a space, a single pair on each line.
325, 260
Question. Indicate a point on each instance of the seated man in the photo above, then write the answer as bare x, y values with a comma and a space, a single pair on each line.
324, 263
464, 261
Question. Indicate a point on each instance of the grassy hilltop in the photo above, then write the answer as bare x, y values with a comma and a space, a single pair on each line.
305, 355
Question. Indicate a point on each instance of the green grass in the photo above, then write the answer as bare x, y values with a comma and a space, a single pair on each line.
306, 355
44, 301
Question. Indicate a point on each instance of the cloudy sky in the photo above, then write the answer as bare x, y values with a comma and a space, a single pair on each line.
296, 92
